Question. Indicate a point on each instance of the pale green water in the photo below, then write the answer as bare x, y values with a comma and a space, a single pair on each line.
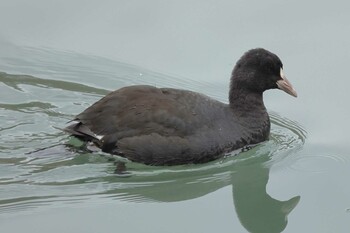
295, 182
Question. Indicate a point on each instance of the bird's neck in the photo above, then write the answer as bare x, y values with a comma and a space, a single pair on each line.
246, 102
249, 109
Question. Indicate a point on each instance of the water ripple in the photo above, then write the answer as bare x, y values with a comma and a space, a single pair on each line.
318, 163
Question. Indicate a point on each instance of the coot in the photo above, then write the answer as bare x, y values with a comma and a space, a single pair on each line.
165, 126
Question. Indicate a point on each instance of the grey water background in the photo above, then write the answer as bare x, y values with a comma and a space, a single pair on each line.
58, 57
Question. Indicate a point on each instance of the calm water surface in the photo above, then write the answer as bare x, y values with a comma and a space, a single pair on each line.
295, 182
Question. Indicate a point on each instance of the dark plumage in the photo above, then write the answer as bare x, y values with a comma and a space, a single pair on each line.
164, 126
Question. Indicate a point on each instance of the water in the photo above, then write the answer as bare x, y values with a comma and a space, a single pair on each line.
295, 182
